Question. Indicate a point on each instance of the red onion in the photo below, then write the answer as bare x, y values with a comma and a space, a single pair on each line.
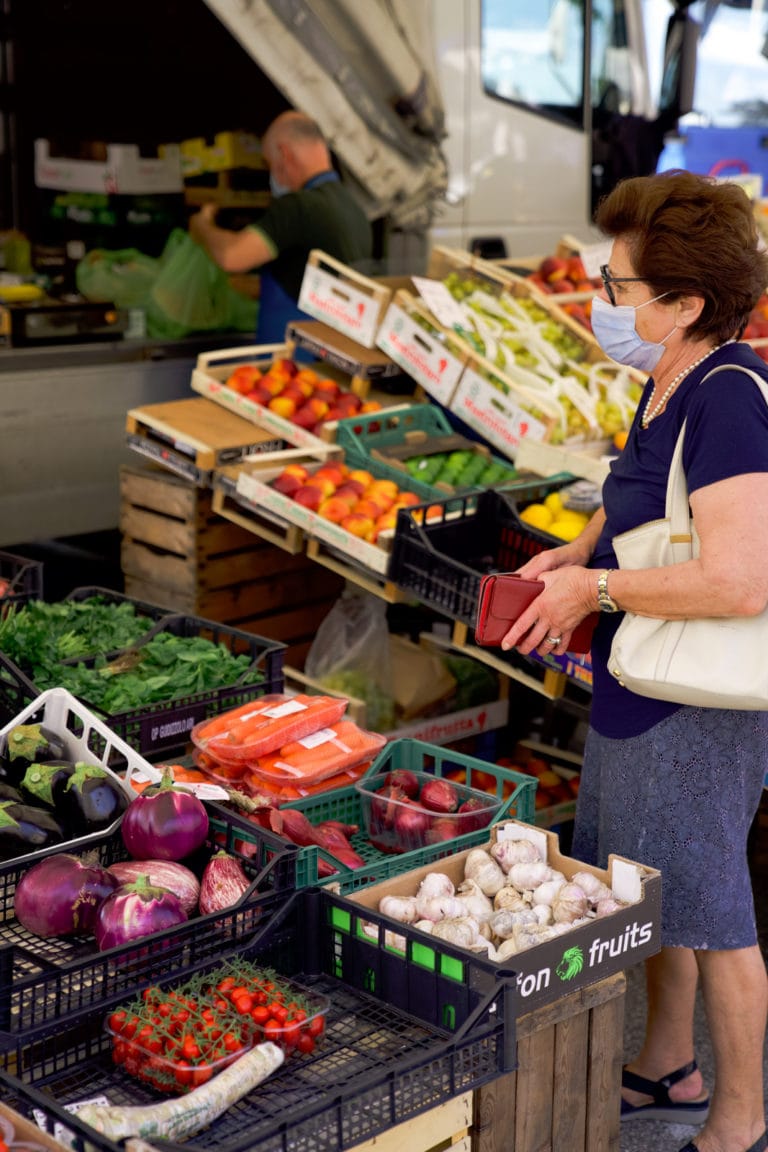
483, 813
162, 874
443, 828
164, 822
403, 779
61, 895
385, 805
223, 883
439, 796
411, 822
135, 910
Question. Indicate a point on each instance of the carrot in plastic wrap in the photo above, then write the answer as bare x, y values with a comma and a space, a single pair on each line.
324, 753
265, 725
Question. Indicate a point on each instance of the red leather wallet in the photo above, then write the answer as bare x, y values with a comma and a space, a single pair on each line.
503, 597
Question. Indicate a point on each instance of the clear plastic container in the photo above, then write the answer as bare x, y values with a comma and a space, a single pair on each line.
395, 822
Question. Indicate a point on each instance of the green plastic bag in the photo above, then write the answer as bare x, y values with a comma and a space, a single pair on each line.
123, 277
192, 294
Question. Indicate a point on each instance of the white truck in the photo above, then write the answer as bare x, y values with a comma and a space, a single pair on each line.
496, 125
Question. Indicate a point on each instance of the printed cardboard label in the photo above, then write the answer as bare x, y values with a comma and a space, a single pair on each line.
420, 353
499, 418
343, 307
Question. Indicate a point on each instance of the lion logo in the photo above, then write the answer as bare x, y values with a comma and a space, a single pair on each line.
571, 964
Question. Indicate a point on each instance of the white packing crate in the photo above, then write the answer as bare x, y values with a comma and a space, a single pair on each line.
125, 171
421, 348
85, 738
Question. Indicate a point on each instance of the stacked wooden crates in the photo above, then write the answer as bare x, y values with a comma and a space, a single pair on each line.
177, 552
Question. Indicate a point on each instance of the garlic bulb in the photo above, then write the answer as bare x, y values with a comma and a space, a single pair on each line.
438, 907
506, 949
481, 866
592, 886
435, 884
502, 923
509, 897
570, 903
543, 913
402, 908
509, 852
424, 925
460, 930
530, 875
607, 906
529, 935
477, 903
546, 892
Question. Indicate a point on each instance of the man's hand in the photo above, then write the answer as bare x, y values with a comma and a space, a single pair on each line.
202, 220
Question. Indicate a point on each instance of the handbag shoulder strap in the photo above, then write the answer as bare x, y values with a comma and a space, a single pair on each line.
677, 487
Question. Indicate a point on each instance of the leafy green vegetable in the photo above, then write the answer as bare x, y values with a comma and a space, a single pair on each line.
38, 636
166, 668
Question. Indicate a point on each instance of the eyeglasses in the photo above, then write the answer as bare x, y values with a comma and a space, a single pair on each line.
609, 281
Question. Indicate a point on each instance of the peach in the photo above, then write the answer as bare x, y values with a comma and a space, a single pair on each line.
328, 385
359, 525
296, 469
348, 402
317, 406
307, 376
349, 491
287, 484
371, 508
360, 476
387, 488
273, 383
406, 500
309, 495
303, 418
259, 395
388, 520
335, 509
334, 472
325, 395
282, 406
325, 486
243, 378
281, 364
370, 406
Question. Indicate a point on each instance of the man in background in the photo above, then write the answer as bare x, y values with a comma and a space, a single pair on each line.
310, 208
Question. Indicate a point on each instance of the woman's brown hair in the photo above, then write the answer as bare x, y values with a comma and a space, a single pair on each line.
691, 235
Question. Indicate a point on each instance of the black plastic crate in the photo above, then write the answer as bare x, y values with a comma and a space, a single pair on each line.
441, 560
376, 1065
21, 580
163, 727
45, 981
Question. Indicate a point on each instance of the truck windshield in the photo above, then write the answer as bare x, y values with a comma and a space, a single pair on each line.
532, 53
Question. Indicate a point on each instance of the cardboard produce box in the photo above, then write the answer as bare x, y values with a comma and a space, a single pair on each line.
344, 299
558, 966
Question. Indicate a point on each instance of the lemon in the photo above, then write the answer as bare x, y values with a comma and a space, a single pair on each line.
565, 529
620, 439
554, 503
572, 515
537, 515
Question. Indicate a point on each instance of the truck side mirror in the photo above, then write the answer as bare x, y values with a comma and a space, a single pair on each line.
679, 68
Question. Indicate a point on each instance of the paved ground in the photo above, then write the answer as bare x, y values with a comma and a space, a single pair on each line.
651, 1136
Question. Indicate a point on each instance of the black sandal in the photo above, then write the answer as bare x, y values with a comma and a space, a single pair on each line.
760, 1145
661, 1107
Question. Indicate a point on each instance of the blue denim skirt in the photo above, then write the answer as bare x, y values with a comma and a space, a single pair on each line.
681, 798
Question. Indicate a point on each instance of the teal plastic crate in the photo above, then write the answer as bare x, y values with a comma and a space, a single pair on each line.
366, 439
345, 805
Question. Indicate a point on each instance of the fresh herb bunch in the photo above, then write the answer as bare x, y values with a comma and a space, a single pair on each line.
38, 636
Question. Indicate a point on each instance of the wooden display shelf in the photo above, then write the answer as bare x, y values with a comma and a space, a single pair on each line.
364, 578
550, 683
193, 436
566, 1090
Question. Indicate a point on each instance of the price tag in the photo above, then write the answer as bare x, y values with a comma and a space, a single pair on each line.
441, 304
286, 709
322, 736
593, 255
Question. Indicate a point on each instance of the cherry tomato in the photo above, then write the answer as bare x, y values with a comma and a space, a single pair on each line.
183, 1072
316, 1025
260, 1014
273, 1030
306, 1043
243, 1003
117, 1020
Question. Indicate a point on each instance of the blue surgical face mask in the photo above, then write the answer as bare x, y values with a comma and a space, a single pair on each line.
276, 188
615, 331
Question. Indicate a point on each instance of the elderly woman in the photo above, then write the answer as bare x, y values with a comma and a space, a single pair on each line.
673, 786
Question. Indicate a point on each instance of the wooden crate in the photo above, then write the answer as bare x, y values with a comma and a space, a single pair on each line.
193, 436
565, 1092
177, 552
444, 1127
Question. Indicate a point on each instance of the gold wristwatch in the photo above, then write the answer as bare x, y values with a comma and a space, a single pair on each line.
605, 602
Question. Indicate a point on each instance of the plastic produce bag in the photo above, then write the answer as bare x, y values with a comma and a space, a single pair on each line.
192, 294
123, 277
351, 654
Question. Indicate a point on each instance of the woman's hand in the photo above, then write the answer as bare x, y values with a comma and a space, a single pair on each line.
548, 623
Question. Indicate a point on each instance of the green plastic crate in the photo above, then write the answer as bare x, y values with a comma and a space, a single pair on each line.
344, 804
362, 435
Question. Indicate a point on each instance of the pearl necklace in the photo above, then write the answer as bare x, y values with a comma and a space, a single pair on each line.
651, 413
